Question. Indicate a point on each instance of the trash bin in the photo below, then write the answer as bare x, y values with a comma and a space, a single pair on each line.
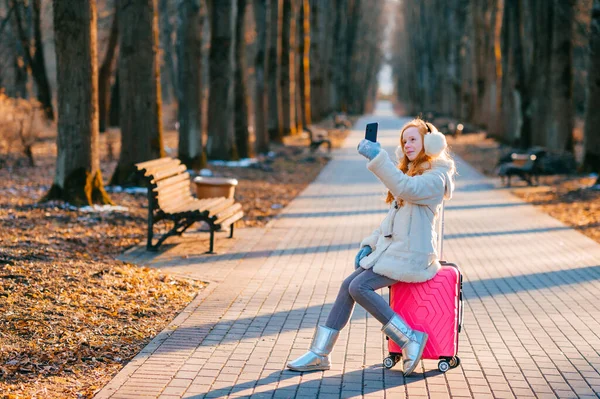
210, 187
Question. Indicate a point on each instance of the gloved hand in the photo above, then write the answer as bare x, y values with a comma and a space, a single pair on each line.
368, 149
364, 251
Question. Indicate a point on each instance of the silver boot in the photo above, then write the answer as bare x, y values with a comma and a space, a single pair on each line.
411, 341
317, 358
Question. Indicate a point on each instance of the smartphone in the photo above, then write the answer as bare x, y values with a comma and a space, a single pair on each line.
371, 132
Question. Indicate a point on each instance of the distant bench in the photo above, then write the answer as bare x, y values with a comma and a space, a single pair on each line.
527, 166
170, 198
318, 136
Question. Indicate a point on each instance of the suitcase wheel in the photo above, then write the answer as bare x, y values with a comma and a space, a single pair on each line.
391, 360
454, 362
443, 366
447, 364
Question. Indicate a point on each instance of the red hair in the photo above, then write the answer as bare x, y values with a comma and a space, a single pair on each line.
421, 163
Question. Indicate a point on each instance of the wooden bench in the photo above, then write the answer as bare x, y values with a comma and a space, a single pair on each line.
317, 137
526, 166
342, 121
170, 199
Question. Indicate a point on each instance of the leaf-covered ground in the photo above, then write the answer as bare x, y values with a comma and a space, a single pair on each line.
567, 198
72, 316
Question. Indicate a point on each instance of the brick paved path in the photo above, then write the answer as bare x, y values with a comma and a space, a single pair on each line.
531, 312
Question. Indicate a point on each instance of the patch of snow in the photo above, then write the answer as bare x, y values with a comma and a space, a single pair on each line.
128, 190
242, 163
99, 208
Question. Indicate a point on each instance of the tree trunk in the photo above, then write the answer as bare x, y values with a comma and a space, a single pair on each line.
507, 104
560, 132
262, 14
340, 58
221, 137
275, 113
169, 80
305, 69
106, 72
521, 83
543, 12
190, 88
242, 136
316, 60
298, 65
21, 71
139, 89
36, 60
591, 142
288, 67
114, 105
78, 179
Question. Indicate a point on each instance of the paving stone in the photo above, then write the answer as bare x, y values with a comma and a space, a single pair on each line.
530, 308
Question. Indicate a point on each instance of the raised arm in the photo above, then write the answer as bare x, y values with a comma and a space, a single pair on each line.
425, 189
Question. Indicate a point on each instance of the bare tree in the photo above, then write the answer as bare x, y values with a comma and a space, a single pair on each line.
106, 70
221, 136
592, 117
262, 15
139, 89
288, 66
560, 128
305, 81
190, 88
34, 52
242, 135
78, 179
169, 78
275, 113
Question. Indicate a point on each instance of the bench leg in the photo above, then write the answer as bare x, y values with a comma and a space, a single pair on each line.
212, 241
149, 245
231, 230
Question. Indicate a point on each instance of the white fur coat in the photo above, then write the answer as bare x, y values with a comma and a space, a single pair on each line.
405, 244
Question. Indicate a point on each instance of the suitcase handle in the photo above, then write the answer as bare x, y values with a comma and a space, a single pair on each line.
460, 304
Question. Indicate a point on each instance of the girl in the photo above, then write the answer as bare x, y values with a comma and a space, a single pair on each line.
403, 248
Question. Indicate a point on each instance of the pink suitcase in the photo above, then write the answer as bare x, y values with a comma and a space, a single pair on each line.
434, 307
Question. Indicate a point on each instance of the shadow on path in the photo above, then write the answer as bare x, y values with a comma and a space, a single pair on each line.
375, 379
293, 320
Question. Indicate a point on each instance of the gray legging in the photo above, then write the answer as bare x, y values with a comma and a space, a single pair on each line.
360, 287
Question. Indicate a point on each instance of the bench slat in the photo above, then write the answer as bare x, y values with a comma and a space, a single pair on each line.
232, 219
195, 205
225, 213
216, 208
180, 187
160, 185
167, 172
174, 199
150, 170
213, 202
175, 195
177, 206
156, 162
